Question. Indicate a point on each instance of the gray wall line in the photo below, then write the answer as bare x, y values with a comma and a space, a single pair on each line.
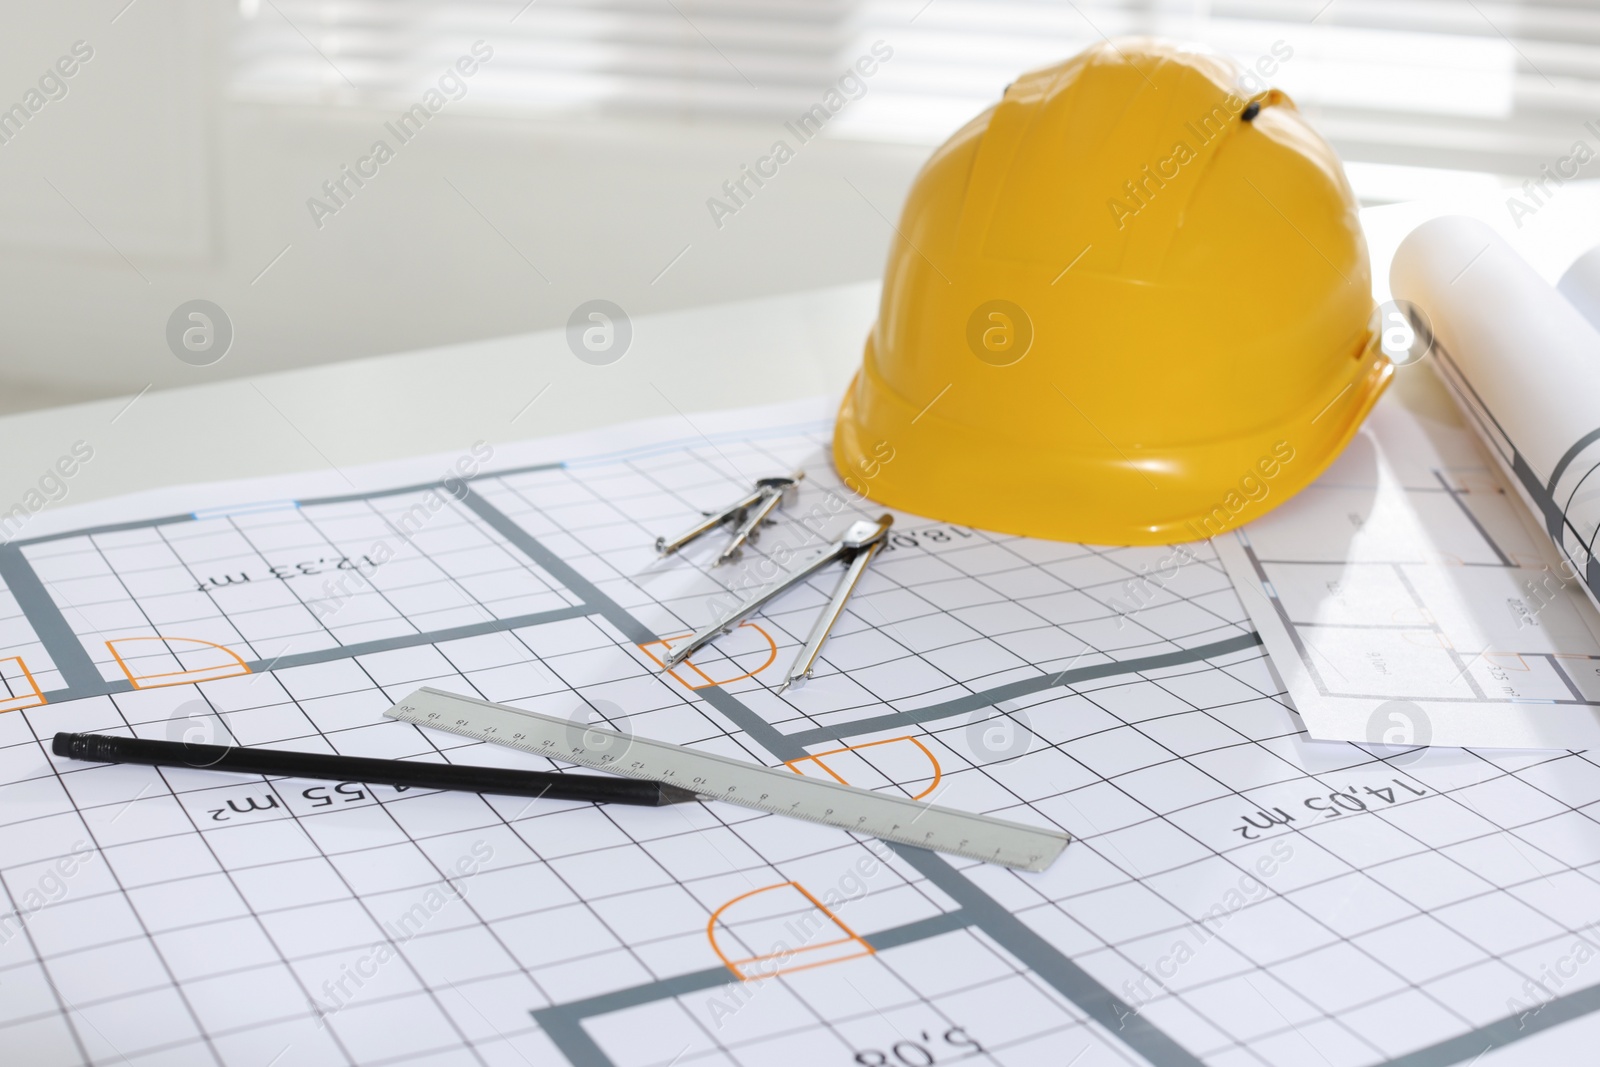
386, 644
1456, 497
345, 498
921, 930
1047, 962
51, 627
1011, 691
647, 993
1502, 1032
437, 483
99, 689
562, 1022
760, 731
566, 1032
558, 568
114, 527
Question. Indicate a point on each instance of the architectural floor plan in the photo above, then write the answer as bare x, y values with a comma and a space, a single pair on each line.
1408, 595
1234, 894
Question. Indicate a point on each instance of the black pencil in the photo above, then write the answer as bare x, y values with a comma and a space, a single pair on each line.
103, 748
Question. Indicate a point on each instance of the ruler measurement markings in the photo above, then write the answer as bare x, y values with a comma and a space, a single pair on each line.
715, 777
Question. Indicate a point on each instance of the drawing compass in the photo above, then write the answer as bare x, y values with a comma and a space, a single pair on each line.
856, 547
747, 515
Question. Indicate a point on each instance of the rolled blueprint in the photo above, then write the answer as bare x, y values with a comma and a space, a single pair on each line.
1581, 285
1524, 364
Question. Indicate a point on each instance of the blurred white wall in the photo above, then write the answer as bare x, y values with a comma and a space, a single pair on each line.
176, 160
143, 187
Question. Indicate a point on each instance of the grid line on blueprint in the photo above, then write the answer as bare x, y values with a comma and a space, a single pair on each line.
688, 615
1150, 769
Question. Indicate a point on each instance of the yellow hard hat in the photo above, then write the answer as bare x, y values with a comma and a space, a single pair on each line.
1125, 305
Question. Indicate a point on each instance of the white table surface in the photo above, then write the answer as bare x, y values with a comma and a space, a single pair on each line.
732, 355
443, 399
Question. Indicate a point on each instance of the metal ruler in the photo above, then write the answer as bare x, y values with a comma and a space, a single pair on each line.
777, 790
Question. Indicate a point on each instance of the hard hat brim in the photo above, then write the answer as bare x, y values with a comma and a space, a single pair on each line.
887, 449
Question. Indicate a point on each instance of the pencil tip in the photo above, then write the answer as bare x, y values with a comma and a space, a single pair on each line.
671, 794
